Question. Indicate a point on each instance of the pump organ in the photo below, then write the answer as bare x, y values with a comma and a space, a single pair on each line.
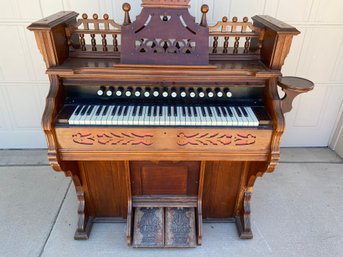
159, 129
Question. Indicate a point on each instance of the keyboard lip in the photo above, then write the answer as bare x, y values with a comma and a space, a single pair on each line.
64, 125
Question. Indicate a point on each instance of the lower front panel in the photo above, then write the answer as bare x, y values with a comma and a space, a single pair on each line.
105, 186
108, 184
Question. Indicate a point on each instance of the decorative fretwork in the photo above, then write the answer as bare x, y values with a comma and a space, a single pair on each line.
121, 138
158, 45
215, 139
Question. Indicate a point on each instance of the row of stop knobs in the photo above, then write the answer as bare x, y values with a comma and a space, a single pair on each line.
164, 92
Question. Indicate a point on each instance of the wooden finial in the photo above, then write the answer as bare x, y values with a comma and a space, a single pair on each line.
204, 10
84, 16
106, 16
126, 9
95, 16
245, 19
224, 19
234, 19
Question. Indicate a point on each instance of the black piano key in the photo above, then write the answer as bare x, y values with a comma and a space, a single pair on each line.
84, 110
161, 111
209, 112
239, 113
244, 111
189, 111
78, 109
169, 110
120, 109
224, 111
155, 111
99, 110
90, 109
140, 113
149, 111
105, 110
134, 112
229, 111
126, 109
183, 111
114, 110
195, 111
218, 111
203, 111
175, 111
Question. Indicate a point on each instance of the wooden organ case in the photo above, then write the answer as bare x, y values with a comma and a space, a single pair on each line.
156, 128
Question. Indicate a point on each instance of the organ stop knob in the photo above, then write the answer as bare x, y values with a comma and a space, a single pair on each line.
110, 91
101, 91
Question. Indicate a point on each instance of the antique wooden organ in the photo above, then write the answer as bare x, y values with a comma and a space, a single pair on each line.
156, 128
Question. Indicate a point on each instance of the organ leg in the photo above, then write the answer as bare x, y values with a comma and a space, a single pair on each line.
84, 223
243, 221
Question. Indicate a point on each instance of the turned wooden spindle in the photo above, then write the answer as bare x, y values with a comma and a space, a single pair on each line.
85, 22
82, 42
234, 29
215, 45
247, 39
106, 22
115, 43
104, 42
226, 39
93, 40
82, 36
204, 10
103, 36
126, 9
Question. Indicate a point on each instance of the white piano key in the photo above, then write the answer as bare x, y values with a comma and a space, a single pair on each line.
253, 116
129, 119
244, 119
235, 118
85, 119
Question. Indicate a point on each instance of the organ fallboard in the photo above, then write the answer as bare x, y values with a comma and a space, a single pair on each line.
163, 122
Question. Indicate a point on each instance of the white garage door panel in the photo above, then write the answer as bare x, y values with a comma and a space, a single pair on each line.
246, 8
25, 109
311, 116
320, 54
327, 12
316, 54
15, 60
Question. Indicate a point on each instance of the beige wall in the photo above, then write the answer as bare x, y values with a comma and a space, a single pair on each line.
316, 54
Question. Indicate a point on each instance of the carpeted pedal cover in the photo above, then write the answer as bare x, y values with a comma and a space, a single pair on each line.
180, 227
148, 227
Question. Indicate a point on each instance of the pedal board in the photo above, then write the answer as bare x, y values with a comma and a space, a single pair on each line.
164, 227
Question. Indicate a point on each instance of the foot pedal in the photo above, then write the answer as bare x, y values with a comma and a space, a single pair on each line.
148, 227
164, 227
180, 227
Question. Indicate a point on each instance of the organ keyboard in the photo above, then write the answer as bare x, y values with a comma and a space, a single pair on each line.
157, 128
160, 115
